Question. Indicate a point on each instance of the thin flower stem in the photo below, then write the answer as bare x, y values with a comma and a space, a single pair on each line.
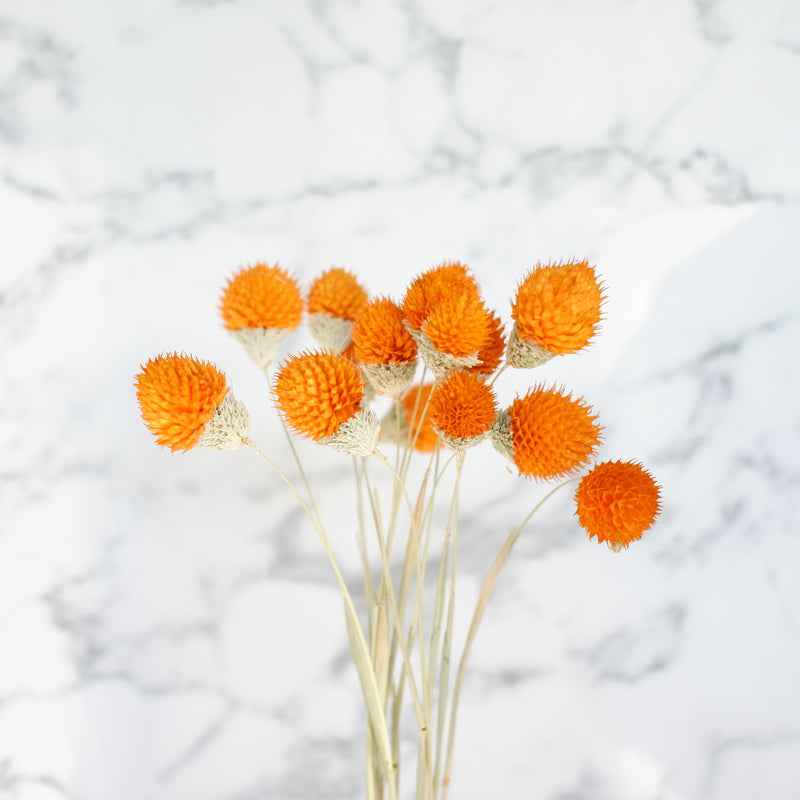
444, 667
358, 644
369, 585
488, 586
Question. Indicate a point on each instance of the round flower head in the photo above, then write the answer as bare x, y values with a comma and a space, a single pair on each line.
547, 434
556, 311
319, 395
429, 288
186, 403
458, 324
384, 348
334, 300
260, 306
463, 408
491, 354
617, 502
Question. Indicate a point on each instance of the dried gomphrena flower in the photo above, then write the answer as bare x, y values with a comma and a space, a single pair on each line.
186, 403
320, 396
556, 310
260, 306
334, 301
617, 501
385, 350
547, 434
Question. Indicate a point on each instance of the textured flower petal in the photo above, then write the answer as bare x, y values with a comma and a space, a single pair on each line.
316, 392
617, 502
337, 292
178, 395
553, 435
428, 289
463, 406
558, 306
379, 335
261, 296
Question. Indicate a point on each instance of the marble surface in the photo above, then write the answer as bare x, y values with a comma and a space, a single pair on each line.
168, 625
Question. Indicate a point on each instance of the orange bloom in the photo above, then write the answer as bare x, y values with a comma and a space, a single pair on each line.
338, 293
617, 502
462, 406
491, 354
557, 306
177, 396
317, 392
418, 415
428, 289
458, 324
261, 297
552, 435
379, 335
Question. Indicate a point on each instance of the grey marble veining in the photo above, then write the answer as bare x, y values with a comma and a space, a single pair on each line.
147, 150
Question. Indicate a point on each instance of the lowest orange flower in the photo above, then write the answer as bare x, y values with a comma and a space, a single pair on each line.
617, 502
185, 402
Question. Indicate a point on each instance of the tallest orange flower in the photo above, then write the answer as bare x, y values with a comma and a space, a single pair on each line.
260, 306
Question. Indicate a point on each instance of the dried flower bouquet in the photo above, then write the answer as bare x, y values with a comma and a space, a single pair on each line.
402, 642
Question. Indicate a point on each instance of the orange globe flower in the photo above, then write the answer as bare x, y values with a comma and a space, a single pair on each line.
418, 418
557, 306
185, 402
458, 324
379, 336
317, 392
261, 297
617, 502
550, 434
462, 408
428, 289
336, 292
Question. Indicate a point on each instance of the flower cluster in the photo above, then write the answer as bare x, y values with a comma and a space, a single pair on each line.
372, 347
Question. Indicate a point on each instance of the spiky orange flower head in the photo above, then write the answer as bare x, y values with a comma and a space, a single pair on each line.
552, 434
617, 502
458, 324
428, 289
557, 306
417, 406
178, 395
261, 296
491, 354
316, 392
379, 335
337, 292
463, 406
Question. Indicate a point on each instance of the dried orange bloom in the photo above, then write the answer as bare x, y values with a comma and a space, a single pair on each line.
458, 324
462, 409
418, 418
547, 434
336, 292
319, 395
379, 335
428, 289
334, 301
617, 502
491, 354
261, 297
556, 308
185, 402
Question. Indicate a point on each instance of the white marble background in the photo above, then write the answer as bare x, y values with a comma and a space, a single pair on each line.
168, 626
